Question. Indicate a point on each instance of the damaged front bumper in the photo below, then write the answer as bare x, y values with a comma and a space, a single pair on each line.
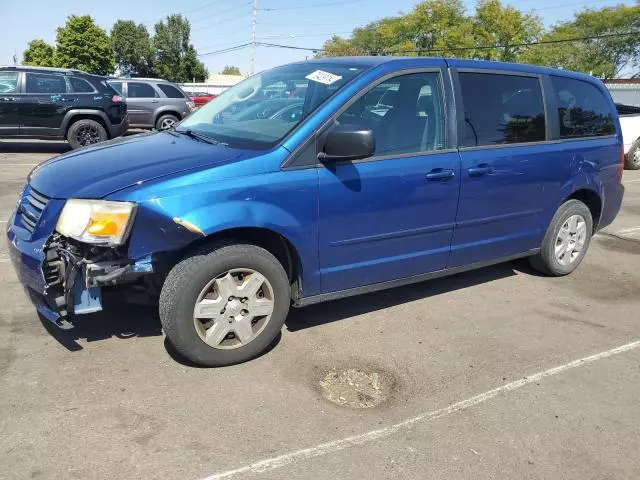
64, 277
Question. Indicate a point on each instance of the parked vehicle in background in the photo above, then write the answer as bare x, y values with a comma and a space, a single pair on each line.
630, 124
153, 103
59, 104
234, 220
201, 98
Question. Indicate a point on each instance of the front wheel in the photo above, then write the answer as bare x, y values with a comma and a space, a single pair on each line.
566, 241
225, 304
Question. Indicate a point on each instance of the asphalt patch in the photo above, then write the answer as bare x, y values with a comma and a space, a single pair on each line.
356, 388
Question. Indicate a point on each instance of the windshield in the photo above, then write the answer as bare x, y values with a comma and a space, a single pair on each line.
262, 110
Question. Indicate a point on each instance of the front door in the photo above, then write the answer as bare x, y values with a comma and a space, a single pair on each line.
507, 173
391, 216
9, 96
44, 104
142, 100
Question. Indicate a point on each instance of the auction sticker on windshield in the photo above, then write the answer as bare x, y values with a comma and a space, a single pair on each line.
321, 76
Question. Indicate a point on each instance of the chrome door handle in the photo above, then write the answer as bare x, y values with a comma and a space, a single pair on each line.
440, 174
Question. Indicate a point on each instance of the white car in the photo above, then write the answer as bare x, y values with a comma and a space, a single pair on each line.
630, 123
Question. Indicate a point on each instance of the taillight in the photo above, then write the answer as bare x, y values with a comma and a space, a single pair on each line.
117, 99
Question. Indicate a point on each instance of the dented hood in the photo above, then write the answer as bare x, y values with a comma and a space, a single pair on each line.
98, 171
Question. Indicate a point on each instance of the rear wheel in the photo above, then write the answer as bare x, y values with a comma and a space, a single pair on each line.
633, 156
86, 132
566, 241
166, 122
225, 304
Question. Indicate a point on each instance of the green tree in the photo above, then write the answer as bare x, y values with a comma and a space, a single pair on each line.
83, 45
439, 27
132, 48
494, 24
176, 59
230, 70
39, 53
604, 57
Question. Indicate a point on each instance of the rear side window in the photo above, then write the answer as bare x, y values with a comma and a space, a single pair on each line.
79, 85
8, 82
141, 90
44, 83
117, 86
501, 109
170, 91
582, 109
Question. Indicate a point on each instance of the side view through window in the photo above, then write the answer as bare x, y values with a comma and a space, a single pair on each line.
315, 181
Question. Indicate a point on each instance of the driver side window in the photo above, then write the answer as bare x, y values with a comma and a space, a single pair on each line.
406, 114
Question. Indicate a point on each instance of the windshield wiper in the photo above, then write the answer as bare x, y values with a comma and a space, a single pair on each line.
198, 136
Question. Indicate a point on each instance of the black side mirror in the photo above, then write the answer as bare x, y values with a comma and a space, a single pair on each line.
347, 142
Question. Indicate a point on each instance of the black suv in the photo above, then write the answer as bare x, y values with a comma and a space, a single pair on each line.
56, 104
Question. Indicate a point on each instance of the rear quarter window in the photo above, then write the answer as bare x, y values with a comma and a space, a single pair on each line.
170, 91
583, 110
79, 85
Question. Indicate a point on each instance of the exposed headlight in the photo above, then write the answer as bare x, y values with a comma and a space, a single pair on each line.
96, 221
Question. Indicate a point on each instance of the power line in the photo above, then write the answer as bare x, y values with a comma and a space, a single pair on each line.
314, 5
225, 50
223, 12
478, 47
565, 5
291, 47
540, 42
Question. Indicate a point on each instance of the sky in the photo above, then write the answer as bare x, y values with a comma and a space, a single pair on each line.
220, 24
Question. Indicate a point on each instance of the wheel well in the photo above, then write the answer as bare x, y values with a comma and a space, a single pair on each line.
86, 116
271, 241
592, 200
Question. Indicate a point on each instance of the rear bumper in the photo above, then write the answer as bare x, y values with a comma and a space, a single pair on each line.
611, 203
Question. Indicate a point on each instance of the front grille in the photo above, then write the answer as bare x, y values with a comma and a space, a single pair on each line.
31, 207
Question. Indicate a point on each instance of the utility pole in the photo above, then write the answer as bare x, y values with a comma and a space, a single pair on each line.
253, 37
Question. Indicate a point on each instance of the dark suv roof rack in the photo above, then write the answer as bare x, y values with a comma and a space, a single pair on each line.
44, 69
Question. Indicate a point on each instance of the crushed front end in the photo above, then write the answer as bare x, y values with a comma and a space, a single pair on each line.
62, 276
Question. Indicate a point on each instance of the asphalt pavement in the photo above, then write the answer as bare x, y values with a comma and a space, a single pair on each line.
498, 373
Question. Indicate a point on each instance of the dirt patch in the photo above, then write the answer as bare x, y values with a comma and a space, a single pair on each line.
356, 388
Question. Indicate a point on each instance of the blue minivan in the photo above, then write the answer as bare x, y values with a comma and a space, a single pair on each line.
319, 180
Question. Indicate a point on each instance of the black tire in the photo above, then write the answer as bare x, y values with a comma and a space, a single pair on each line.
187, 279
86, 132
166, 118
633, 156
545, 261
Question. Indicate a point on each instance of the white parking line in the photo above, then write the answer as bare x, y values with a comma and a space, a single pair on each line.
17, 164
337, 445
633, 181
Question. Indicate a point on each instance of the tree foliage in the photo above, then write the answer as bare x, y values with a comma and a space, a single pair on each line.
494, 24
604, 57
39, 53
176, 58
444, 28
84, 45
132, 48
230, 70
